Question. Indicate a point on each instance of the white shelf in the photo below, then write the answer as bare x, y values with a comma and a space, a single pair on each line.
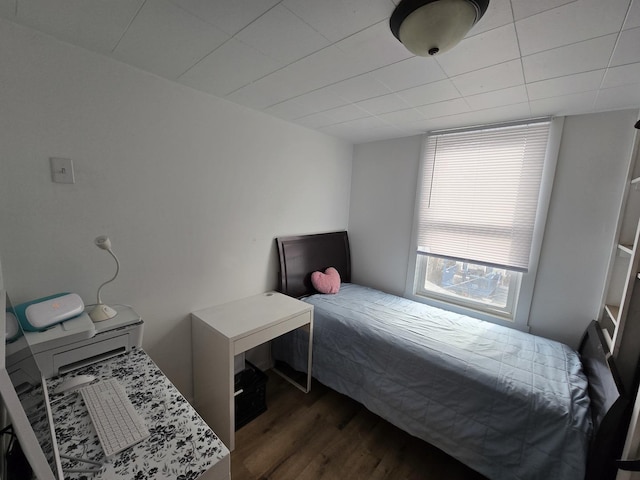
628, 249
613, 312
623, 269
622, 338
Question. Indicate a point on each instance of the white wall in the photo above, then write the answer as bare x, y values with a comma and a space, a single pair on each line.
191, 189
580, 225
583, 214
383, 190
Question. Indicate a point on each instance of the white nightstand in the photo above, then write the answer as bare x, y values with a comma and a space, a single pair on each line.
221, 332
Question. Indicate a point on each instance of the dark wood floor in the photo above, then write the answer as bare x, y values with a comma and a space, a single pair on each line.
325, 435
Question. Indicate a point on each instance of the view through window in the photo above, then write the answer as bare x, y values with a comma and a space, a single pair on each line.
487, 288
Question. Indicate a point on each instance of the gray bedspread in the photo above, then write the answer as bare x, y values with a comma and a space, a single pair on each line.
506, 403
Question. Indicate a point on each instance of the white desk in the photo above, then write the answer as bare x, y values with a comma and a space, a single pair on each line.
221, 332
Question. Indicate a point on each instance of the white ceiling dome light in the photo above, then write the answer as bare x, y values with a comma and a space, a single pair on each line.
429, 27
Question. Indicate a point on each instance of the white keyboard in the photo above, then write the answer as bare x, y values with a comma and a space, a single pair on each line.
117, 423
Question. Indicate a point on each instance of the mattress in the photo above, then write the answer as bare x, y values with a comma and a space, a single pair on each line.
506, 403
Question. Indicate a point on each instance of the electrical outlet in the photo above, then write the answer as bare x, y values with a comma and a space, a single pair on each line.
62, 170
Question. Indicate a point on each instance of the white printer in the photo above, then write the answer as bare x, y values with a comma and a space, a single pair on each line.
78, 341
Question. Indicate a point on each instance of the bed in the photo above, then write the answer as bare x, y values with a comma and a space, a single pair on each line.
506, 403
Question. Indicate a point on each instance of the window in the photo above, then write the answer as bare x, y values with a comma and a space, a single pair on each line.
479, 215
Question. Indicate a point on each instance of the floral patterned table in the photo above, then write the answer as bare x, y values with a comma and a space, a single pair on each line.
181, 446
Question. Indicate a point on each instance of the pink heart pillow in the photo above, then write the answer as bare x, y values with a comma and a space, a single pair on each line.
327, 282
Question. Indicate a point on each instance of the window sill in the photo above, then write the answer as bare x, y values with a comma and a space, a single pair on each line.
495, 318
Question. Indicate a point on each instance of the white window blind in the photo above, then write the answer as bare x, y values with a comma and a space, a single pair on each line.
480, 194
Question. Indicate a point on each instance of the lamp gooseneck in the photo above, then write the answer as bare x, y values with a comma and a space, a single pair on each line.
112, 278
101, 311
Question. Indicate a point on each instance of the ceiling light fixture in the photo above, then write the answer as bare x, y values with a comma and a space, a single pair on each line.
428, 27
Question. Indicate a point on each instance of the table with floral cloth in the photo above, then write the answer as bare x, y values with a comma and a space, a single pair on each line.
181, 446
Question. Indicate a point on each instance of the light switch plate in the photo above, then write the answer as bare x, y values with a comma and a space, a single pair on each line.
62, 170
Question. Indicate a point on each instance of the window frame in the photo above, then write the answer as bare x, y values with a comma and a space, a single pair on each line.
522, 303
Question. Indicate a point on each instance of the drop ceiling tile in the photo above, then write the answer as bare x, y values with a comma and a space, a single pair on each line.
402, 117
253, 96
281, 35
230, 16
367, 122
443, 109
579, 57
337, 19
505, 75
359, 88
430, 93
569, 104
497, 15
384, 104
360, 131
490, 48
628, 48
588, 19
383, 133
277, 87
325, 67
94, 24
346, 113
374, 47
313, 102
526, 8
626, 96
409, 73
288, 110
167, 40
567, 85
343, 131
623, 75
633, 18
228, 68
320, 100
315, 120
8, 9
497, 98
503, 114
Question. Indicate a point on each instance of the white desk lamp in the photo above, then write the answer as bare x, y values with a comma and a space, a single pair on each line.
101, 311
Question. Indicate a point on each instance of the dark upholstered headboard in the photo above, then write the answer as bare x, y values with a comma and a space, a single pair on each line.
302, 255
610, 406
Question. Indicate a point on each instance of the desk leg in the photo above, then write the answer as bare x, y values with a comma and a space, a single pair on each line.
305, 388
310, 359
213, 383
